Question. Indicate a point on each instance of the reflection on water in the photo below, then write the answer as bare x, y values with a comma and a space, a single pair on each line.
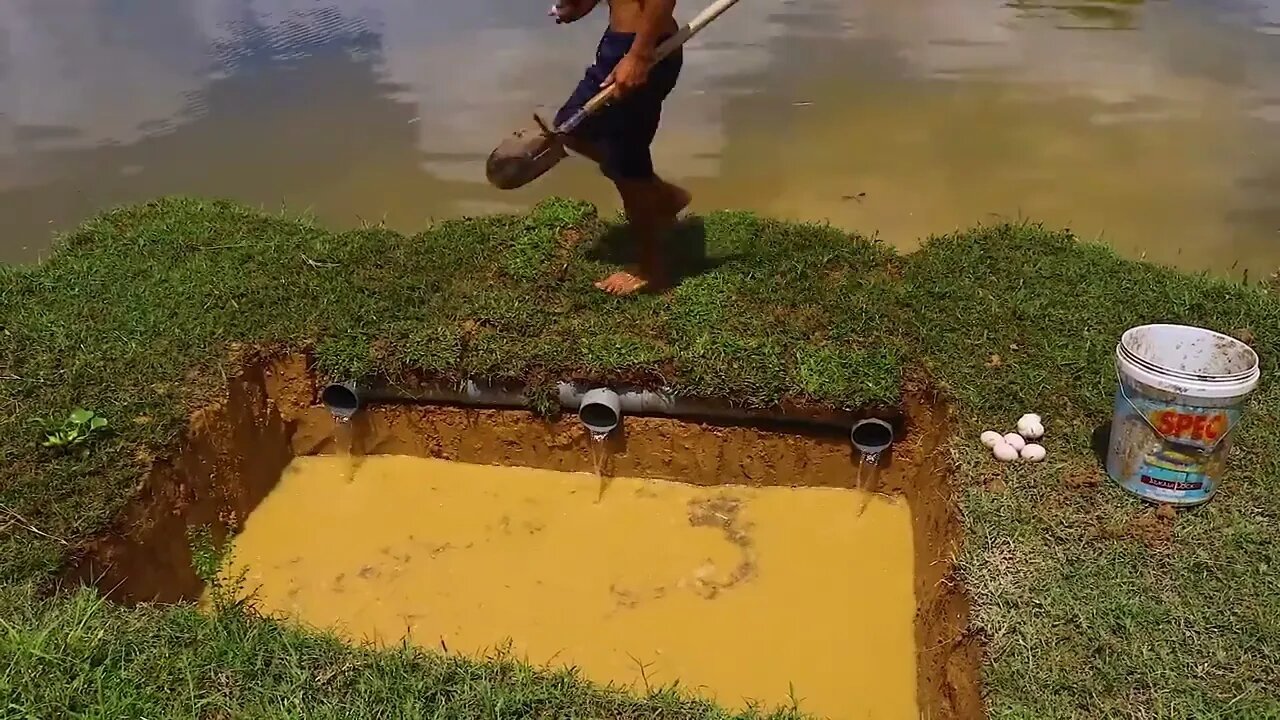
771, 594
1150, 124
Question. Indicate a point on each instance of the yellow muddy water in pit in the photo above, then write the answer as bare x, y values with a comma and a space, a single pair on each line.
741, 593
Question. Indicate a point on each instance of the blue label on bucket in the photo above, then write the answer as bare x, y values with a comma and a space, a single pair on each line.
1168, 452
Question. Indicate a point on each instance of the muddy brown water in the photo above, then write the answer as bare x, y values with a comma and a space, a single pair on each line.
1149, 124
766, 595
784, 554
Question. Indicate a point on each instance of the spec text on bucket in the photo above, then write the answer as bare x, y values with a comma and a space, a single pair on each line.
1203, 427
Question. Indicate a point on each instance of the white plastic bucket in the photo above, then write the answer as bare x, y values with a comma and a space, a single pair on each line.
1180, 396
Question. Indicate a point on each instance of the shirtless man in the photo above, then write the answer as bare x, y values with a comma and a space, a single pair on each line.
618, 137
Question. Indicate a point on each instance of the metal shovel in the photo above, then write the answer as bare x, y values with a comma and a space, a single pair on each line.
530, 152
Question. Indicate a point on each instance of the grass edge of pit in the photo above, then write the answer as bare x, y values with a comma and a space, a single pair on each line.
1081, 613
235, 450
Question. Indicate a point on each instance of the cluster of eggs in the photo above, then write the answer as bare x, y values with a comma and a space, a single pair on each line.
1013, 446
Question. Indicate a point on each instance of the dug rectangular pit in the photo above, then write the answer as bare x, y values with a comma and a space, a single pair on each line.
745, 563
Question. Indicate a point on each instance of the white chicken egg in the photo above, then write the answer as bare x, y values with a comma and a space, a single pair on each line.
1015, 441
1031, 427
991, 438
1005, 452
1034, 453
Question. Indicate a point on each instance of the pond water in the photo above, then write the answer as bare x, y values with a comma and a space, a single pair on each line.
1150, 124
773, 594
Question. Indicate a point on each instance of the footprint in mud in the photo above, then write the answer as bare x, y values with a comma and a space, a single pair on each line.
390, 552
627, 599
723, 511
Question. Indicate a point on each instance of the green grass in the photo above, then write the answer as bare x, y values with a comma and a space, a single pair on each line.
136, 314
83, 657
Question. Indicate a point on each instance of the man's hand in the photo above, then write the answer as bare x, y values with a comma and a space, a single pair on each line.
567, 11
631, 72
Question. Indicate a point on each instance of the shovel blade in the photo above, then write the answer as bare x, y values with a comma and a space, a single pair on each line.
523, 158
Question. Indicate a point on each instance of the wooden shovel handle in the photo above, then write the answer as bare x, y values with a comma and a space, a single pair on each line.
681, 36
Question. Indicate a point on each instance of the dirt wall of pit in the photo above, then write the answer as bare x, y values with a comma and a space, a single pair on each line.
234, 452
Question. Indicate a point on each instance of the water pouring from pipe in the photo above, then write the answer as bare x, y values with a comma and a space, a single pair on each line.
342, 400
600, 413
870, 437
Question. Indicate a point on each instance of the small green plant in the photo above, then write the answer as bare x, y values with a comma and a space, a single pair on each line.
206, 556
208, 560
75, 431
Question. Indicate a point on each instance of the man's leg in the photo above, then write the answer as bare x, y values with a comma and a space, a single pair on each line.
651, 203
651, 206
618, 140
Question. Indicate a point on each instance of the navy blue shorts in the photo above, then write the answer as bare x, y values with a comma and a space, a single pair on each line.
624, 129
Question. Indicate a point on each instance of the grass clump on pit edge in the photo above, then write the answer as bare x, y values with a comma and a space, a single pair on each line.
1085, 614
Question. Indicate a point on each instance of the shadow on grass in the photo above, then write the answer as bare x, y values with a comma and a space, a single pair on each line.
684, 249
1100, 443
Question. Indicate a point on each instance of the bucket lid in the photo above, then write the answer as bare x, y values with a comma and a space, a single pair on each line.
1179, 375
1189, 353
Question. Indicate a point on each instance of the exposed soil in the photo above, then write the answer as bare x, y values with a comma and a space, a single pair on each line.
229, 459
1081, 478
235, 451
1153, 528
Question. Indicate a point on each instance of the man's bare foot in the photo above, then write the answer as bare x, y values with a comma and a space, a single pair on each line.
623, 283
652, 212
